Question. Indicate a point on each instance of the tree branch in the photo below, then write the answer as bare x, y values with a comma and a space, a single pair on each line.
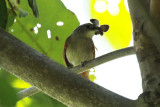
27, 92
52, 78
155, 10
104, 58
146, 43
95, 62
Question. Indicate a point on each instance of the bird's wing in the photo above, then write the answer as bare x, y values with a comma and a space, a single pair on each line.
93, 48
64, 55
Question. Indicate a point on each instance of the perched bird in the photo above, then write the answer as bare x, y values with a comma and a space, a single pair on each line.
79, 46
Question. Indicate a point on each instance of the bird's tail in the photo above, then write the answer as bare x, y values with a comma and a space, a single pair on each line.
85, 74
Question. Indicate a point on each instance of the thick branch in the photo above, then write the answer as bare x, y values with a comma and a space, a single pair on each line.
88, 65
52, 78
147, 42
155, 10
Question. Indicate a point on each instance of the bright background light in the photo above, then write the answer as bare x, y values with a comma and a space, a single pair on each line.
100, 6
122, 75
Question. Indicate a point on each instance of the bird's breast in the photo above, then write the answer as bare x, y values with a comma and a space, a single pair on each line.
79, 51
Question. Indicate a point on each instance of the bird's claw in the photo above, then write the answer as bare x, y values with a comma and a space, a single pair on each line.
83, 63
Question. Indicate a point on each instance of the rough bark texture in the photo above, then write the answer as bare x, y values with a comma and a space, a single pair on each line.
90, 64
53, 78
146, 42
149, 61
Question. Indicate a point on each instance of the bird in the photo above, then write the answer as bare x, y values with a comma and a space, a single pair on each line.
79, 47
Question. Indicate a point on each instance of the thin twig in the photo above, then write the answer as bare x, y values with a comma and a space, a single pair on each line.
78, 69
104, 58
27, 92
12, 8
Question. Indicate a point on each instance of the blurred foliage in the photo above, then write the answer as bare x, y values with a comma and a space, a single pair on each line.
8, 97
39, 100
92, 74
43, 34
92, 77
10, 20
18, 83
3, 14
113, 13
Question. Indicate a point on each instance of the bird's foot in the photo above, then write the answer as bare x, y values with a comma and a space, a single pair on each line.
83, 63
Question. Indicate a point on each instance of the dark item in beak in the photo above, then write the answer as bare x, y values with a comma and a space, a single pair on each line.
104, 28
101, 29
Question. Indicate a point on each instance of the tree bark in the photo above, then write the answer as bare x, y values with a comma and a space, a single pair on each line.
155, 10
54, 79
87, 65
146, 43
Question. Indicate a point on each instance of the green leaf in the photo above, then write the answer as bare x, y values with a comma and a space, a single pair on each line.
34, 7
8, 96
3, 14
11, 18
52, 11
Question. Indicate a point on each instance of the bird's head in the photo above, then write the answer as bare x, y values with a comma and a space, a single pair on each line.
91, 29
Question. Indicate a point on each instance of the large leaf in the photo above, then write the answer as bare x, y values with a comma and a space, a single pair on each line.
3, 14
51, 11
